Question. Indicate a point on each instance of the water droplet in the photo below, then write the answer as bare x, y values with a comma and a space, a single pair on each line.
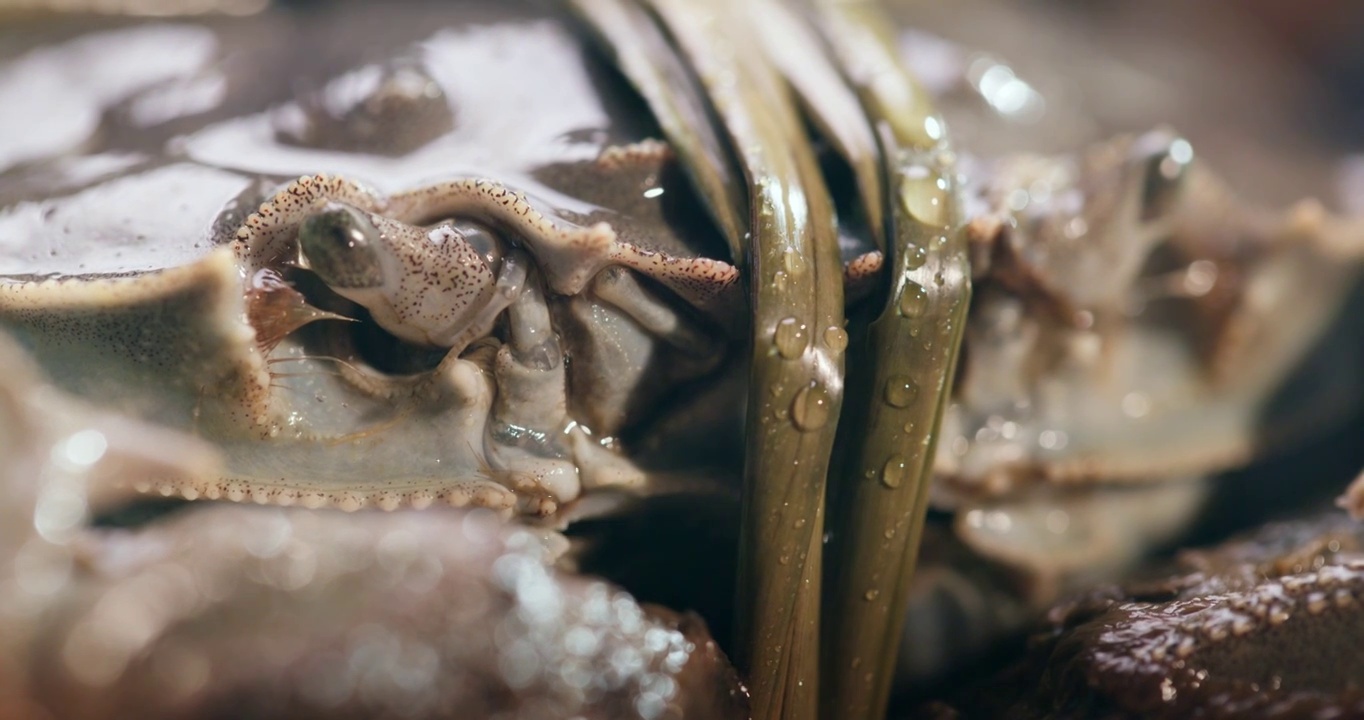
915, 257
890, 533
784, 559
872, 595
790, 338
922, 198
909, 427
894, 472
779, 280
836, 338
793, 262
900, 391
914, 300
799, 523
810, 410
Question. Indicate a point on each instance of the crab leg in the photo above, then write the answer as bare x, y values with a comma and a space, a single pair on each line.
531, 409
912, 352
623, 290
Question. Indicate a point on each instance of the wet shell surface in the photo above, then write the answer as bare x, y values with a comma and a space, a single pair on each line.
357, 258
1263, 626
504, 345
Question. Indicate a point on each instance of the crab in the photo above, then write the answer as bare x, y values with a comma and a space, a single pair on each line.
107, 622
551, 263
1228, 631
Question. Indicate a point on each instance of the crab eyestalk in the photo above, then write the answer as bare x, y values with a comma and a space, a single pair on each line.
912, 352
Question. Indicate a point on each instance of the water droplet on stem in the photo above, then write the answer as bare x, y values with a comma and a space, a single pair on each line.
790, 338
900, 391
914, 300
894, 471
811, 408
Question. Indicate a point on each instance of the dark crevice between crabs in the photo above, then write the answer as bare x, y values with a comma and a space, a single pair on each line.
948, 626
855, 241
1313, 424
862, 303
138, 512
691, 539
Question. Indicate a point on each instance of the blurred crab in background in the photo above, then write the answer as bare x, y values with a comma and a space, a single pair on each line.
549, 281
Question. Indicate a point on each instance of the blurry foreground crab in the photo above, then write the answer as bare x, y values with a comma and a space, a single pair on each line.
547, 261
1260, 626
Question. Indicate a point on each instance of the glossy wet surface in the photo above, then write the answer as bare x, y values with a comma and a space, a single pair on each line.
156, 159
144, 154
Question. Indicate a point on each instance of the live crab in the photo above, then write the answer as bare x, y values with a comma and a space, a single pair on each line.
548, 263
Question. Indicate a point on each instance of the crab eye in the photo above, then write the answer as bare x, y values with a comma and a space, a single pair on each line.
339, 244
483, 240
